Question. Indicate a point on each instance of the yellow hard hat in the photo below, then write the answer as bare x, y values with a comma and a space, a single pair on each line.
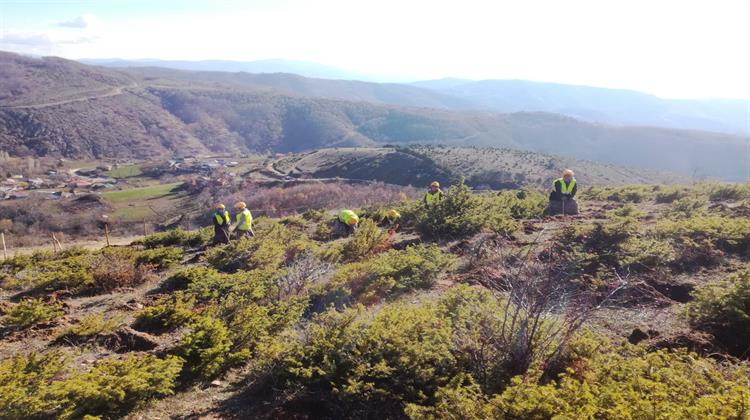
435, 184
353, 220
568, 172
393, 214
240, 205
220, 206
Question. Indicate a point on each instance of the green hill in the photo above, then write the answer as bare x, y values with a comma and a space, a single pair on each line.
80, 111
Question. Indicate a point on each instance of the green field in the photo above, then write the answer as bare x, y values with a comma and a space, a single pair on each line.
143, 193
127, 171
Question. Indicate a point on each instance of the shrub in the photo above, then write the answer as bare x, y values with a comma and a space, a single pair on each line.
723, 309
167, 313
160, 257
36, 386
687, 207
613, 384
72, 273
31, 312
205, 347
25, 385
178, 237
114, 386
728, 192
355, 365
273, 245
389, 274
189, 276
671, 194
458, 214
366, 239
251, 324
729, 234
90, 327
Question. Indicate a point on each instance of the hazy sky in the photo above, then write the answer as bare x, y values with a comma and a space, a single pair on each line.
675, 49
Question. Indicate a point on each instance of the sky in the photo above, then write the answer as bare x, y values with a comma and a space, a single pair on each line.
673, 49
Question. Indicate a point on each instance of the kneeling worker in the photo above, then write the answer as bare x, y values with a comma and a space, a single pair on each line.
221, 225
244, 227
562, 199
346, 223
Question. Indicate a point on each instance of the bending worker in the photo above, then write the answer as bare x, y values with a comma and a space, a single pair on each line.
346, 223
434, 195
221, 225
562, 199
244, 227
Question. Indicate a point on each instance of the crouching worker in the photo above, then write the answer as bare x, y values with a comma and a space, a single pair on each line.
244, 226
562, 198
346, 223
221, 225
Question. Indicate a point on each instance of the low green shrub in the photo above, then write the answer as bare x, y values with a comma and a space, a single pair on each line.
167, 313
205, 348
90, 327
727, 192
355, 365
388, 274
178, 237
41, 386
671, 194
193, 275
367, 239
26, 385
612, 383
458, 214
114, 386
273, 245
723, 310
160, 258
700, 240
30, 312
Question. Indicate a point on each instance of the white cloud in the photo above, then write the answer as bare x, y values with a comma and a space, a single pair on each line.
84, 21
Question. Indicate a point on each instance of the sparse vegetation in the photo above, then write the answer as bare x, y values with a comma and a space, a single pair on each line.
30, 312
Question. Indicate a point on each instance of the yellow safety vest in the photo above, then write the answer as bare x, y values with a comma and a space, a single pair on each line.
244, 220
566, 189
222, 218
431, 198
346, 215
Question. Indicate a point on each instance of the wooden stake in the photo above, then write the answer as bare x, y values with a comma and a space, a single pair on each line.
144, 227
54, 239
5, 250
106, 232
54, 246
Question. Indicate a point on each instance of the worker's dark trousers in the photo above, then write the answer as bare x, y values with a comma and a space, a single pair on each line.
221, 235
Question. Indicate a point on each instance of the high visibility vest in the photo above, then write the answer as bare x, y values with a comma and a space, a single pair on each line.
432, 198
347, 215
244, 220
566, 189
222, 218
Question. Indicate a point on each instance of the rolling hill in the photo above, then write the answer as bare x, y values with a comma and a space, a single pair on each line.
610, 106
480, 167
73, 110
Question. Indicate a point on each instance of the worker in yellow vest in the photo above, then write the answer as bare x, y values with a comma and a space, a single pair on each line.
562, 198
221, 220
434, 195
346, 223
244, 226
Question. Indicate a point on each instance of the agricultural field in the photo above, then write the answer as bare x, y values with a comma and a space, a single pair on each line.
481, 307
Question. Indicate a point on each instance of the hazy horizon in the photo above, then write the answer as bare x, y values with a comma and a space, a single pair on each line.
670, 49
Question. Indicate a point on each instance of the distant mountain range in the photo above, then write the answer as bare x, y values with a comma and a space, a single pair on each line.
58, 107
611, 106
